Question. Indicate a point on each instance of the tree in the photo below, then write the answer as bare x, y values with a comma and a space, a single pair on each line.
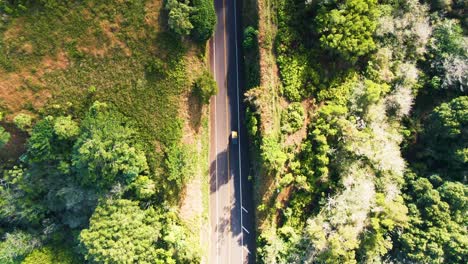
4, 137
437, 231
450, 56
106, 151
66, 128
205, 87
347, 26
203, 19
179, 16
273, 154
23, 121
50, 255
446, 136
120, 232
144, 187
293, 118
16, 245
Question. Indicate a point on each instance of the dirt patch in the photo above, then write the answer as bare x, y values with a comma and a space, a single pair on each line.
111, 30
153, 10
48, 64
26, 88
27, 48
14, 30
20, 90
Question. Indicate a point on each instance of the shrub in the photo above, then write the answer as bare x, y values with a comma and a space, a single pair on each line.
23, 121
205, 87
203, 19
66, 128
4, 137
293, 118
348, 29
250, 38
179, 16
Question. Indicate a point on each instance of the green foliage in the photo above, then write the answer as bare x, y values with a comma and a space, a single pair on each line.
203, 19
449, 53
250, 38
66, 128
105, 152
178, 163
144, 187
292, 119
50, 255
15, 246
205, 87
348, 26
272, 154
128, 232
4, 137
446, 137
23, 121
179, 16
133, 235
437, 230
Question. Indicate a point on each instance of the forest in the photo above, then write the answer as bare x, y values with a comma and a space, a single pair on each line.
357, 114
94, 154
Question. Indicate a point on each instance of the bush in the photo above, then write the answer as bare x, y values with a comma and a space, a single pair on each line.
4, 137
349, 28
23, 121
205, 87
203, 20
179, 16
50, 255
293, 118
66, 128
250, 38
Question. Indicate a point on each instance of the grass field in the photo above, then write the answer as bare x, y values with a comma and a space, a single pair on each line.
61, 58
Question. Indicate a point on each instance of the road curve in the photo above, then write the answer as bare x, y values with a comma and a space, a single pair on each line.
232, 236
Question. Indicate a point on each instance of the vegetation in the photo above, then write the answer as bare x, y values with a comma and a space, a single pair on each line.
380, 175
4, 137
205, 87
95, 165
196, 18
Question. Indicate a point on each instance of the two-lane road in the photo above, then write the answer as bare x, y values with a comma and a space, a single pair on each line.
232, 237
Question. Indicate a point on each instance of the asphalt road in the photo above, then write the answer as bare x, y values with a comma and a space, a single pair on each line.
232, 238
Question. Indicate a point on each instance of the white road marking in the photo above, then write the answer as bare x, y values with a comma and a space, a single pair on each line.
238, 126
245, 229
245, 210
216, 151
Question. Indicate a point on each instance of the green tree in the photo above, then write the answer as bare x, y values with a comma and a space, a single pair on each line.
23, 121
4, 137
293, 118
347, 26
446, 136
205, 87
106, 150
273, 154
179, 16
50, 255
203, 19
66, 128
120, 232
437, 231
144, 187
16, 245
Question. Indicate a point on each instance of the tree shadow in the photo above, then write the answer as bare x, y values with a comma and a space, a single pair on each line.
195, 110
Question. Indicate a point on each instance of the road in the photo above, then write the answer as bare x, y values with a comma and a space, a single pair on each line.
231, 204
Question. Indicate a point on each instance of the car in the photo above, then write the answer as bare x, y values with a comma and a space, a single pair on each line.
234, 137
